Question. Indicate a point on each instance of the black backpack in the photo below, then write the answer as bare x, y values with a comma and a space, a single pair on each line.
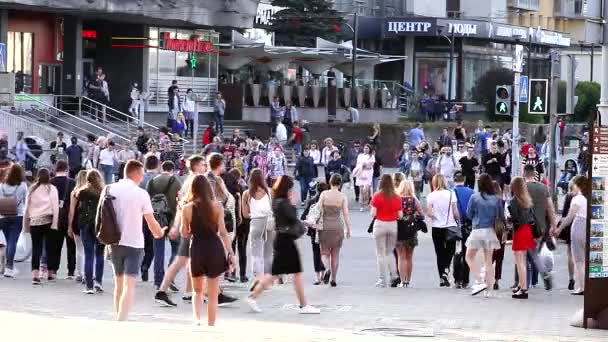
160, 204
87, 209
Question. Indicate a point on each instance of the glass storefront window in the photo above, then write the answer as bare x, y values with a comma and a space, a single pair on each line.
478, 61
165, 66
432, 76
20, 59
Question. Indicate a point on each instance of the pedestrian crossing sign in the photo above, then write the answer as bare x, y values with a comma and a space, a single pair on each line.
523, 89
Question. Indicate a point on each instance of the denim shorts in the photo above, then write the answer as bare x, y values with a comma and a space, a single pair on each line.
126, 260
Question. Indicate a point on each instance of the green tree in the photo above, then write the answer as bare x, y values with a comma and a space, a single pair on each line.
588, 98
484, 91
302, 21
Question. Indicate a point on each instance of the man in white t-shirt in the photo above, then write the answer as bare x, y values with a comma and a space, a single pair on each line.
131, 204
281, 133
446, 165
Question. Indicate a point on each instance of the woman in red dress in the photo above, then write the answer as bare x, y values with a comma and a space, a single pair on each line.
522, 217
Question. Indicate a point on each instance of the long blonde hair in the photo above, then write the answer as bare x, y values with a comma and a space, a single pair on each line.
398, 178
520, 192
81, 180
438, 183
406, 189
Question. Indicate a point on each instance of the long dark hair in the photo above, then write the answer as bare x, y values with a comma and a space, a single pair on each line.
281, 187
201, 195
256, 182
485, 184
43, 178
94, 183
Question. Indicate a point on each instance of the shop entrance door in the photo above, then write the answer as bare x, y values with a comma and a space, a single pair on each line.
88, 66
49, 79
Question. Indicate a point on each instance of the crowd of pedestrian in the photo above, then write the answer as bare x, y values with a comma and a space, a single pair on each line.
230, 213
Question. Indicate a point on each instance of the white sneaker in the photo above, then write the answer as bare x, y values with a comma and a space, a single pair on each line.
98, 287
10, 272
309, 310
401, 285
380, 283
89, 291
478, 288
253, 305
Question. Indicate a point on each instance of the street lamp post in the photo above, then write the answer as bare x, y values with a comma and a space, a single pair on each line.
355, 29
450, 76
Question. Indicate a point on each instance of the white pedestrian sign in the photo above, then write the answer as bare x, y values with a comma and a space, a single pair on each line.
539, 96
538, 104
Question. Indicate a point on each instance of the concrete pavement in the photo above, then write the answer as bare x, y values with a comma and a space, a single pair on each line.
353, 311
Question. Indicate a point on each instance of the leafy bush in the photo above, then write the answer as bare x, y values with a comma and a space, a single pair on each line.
484, 91
588, 98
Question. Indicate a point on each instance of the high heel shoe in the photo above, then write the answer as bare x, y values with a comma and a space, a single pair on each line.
521, 294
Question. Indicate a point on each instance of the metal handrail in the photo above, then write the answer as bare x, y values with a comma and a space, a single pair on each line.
47, 120
141, 123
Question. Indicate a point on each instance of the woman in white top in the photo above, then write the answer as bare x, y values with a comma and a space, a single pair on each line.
577, 216
189, 108
257, 207
41, 215
442, 209
364, 173
326, 156
13, 186
107, 157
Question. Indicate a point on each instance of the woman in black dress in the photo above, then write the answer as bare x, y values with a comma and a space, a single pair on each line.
286, 258
203, 219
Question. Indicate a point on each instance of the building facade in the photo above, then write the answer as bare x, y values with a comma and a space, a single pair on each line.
483, 34
56, 46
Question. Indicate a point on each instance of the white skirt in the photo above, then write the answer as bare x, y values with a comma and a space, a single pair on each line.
483, 238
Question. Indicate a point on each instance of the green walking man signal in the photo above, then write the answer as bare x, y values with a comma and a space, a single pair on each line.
503, 100
539, 96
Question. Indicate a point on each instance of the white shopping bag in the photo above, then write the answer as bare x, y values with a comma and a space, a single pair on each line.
546, 257
24, 247
2, 239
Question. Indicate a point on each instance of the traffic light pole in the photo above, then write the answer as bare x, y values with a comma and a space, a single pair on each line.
515, 145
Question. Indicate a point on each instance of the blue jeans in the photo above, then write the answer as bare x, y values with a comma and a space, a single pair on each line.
159, 258
108, 173
93, 253
11, 227
219, 122
304, 187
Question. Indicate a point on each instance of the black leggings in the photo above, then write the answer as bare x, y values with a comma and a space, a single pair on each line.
444, 250
316, 255
189, 128
43, 235
240, 244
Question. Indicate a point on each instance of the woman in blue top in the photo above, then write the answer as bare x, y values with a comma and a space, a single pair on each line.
484, 209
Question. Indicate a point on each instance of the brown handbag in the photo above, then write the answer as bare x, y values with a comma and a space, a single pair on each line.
8, 204
499, 224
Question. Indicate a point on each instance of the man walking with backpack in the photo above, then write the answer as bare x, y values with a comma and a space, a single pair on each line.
163, 191
131, 204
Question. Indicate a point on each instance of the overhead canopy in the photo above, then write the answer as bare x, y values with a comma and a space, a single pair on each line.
327, 54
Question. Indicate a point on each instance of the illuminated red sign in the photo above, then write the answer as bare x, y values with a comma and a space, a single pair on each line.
91, 34
186, 45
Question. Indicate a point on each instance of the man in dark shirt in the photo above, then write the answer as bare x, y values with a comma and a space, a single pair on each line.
544, 218
74, 152
469, 166
65, 186
445, 139
492, 162
305, 171
377, 171
142, 141
166, 184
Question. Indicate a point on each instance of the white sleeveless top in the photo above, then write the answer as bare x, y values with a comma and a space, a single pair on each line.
259, 208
